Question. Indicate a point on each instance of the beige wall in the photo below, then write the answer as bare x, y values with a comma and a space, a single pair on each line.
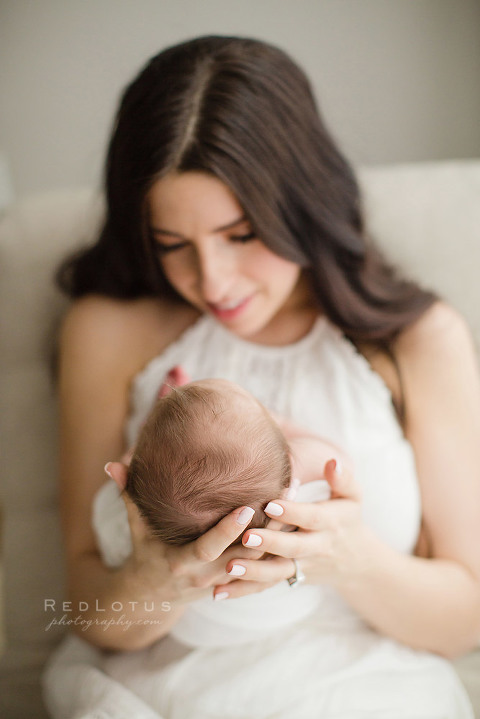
398, 80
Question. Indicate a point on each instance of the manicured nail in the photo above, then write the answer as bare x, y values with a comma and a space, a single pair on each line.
220, 595
338, 467
107, 471
274, 509
245, 515
237, 570
253, 541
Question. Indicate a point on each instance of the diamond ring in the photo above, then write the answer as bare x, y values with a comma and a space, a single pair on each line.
298, 577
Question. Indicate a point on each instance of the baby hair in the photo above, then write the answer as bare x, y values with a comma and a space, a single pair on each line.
201, 454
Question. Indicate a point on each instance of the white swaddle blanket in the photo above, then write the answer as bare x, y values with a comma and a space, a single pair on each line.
206, 623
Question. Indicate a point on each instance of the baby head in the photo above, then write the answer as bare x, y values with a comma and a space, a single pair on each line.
207, 448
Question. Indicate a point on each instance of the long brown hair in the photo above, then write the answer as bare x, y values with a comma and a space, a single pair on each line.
243, 111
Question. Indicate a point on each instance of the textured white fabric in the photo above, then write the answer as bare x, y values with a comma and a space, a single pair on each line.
329, 664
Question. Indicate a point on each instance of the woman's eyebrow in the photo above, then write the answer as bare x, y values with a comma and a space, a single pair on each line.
177, 235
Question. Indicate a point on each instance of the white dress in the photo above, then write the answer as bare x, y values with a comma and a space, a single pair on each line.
313, 658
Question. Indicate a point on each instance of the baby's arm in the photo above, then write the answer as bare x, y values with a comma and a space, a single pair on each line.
310, 455
309, 452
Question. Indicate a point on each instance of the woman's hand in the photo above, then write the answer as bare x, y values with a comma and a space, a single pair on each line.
192, 570
327, 544
200, 565
181, 574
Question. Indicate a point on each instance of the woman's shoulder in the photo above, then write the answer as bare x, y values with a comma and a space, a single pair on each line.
437, 342
134, 330
437, 360
440, 332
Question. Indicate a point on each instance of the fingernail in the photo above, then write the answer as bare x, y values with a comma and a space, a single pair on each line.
274, 509
237, 570
220, 595
253, 541
338, 467
245, 515
107, 471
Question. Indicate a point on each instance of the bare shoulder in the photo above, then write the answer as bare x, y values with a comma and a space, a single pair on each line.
134, 330
104, 343
440, 328
437, 360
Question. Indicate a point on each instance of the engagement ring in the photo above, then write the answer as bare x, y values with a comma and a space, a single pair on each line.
298, 577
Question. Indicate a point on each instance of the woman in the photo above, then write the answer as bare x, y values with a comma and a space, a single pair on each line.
233, 244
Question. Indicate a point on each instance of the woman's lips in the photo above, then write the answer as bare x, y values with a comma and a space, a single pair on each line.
229, 310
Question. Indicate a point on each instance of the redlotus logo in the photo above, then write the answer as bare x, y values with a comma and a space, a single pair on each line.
50, 605
105, 621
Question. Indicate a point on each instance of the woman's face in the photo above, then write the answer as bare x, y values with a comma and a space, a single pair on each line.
211, 257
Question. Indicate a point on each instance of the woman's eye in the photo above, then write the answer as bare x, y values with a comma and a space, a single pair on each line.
166, 249
243, 238
163, 250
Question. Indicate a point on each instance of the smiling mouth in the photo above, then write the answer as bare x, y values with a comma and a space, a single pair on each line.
229, 305
229, 310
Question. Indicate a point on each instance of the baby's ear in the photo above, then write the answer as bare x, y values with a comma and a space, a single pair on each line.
118, 472
290, 491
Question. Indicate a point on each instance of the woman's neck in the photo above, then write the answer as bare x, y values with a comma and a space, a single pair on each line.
293, 321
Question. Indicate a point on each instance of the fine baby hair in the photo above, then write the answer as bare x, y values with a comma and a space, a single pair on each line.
207, 448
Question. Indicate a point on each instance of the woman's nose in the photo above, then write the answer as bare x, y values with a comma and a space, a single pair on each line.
215, 272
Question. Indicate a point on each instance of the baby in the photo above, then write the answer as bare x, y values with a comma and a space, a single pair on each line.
207, 448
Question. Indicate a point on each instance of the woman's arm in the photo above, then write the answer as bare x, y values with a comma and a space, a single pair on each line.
435, 604
442, 397
96, 367
103, 344
431, 604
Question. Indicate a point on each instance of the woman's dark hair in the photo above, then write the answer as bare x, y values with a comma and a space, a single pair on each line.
242, 111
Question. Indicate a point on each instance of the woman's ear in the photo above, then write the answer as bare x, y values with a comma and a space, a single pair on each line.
118, 472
